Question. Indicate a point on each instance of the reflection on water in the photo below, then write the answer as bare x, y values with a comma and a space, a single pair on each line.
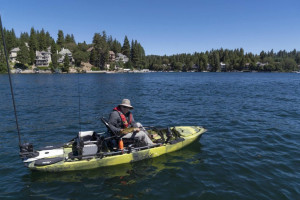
116, 182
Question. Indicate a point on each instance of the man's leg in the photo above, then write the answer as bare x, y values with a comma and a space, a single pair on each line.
141, 136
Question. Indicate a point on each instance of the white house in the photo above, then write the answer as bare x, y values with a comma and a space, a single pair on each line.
42, 58
62, 54
223, 66
13, 54
122, 58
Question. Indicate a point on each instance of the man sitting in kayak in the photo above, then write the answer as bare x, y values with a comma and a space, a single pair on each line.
121, 118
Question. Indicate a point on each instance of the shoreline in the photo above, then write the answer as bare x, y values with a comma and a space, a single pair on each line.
133, 72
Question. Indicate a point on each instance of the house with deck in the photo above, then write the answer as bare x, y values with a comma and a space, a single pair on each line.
42, 58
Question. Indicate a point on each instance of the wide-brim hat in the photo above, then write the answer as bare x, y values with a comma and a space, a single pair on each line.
126, 103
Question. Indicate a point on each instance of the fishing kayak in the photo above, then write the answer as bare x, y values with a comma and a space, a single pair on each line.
90, 150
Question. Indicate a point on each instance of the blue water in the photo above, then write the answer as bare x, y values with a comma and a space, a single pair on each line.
250, 151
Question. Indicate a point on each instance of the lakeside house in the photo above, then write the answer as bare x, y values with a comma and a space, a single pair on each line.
42, 58
90, 49
223, 67
112, 56
208, 67
122, 58
62, 55
259, 64
13, 54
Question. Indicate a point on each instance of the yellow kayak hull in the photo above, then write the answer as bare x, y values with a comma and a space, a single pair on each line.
189, 133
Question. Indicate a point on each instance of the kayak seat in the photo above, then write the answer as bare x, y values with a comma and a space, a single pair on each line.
87, 136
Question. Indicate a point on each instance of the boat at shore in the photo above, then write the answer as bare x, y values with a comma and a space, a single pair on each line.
90, 150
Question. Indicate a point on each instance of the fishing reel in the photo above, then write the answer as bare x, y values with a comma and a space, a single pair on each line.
26, 151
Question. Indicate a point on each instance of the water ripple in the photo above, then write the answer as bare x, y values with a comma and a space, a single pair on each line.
250, 151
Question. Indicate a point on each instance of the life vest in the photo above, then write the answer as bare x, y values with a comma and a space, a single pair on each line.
123, 118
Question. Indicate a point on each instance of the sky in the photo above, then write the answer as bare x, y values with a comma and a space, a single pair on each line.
165, 27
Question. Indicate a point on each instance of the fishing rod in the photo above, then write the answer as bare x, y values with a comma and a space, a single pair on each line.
79, 114
11, 87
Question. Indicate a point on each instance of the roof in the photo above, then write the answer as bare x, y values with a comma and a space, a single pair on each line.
65, 51
90, 49
15, 49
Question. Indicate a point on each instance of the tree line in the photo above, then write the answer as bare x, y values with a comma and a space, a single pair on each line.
98, 55
232, 60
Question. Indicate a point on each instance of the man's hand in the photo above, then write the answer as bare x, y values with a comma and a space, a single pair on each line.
129, 130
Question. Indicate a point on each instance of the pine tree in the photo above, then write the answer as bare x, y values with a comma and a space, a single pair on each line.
69, 39
126, 47
10, 39
24, 38
66, 63
134, 54
73, 38
116, 46
100, 54
60, 39
3, 67
215, 61
48, 39
54, 56
32, 45
104, 50
42, 41
23, 54
95, 54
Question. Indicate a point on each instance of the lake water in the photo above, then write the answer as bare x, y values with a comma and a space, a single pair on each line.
250, 151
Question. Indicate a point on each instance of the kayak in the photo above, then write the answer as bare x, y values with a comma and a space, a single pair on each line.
90, 150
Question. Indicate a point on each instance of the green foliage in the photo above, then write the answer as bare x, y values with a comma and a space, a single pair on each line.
128, 65
23, 54
235, 60
10, 39
80, 56
100, 53
54, 56
21, 66
177, 66
66, 65
24, 38
42, 41
44, 68
214, 61
95, 69
126, 47
60, 39
116, 47
3, 67
69, 39
289, 64
137, 55
32, 45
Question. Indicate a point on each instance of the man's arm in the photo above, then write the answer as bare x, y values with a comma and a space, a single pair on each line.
133, 123
114, 122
